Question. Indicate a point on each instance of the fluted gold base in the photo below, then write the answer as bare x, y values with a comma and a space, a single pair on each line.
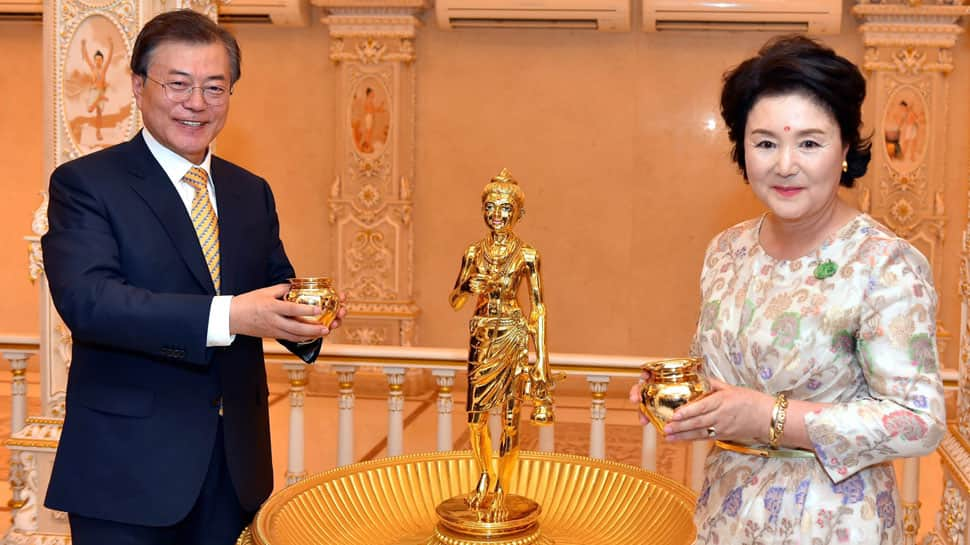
442, 536
393, 501
517, 520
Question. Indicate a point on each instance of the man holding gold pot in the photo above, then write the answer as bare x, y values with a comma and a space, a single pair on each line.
166, 264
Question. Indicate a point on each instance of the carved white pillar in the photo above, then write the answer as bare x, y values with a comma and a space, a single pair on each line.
295, 463
395, 410
648, 449
597, 425
909, 56
16, 500
18, 389
371, 196
445, 379
18, 414
33, 449
345, 418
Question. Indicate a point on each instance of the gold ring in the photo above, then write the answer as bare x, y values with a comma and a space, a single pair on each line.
711, 432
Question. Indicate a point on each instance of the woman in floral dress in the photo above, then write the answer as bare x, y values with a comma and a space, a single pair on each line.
817, 324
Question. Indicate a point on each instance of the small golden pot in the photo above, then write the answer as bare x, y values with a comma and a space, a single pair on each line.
672, 383
317, 291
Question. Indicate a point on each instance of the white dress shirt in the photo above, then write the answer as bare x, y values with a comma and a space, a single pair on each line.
175, 167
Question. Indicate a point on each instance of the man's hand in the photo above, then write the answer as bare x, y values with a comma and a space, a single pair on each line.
263, 313
341, 312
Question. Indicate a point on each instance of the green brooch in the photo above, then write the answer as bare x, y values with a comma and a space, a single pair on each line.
825, 269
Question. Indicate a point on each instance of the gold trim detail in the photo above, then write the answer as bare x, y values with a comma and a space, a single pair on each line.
443, 538
45, 420
764, 452
31, 443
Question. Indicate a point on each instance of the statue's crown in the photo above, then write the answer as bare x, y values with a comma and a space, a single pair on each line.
505, 177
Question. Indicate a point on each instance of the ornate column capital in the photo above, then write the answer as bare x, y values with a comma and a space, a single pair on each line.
371, 21
909, 25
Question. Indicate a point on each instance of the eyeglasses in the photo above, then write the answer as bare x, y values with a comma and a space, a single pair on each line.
181, 91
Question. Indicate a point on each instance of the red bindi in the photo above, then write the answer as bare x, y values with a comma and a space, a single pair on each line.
787, 128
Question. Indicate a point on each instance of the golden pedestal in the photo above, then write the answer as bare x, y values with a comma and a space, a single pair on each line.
516, 524
393, 501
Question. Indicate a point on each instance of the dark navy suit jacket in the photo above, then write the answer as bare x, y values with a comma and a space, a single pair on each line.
128, 278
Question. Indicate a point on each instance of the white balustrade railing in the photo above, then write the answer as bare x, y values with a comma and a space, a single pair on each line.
295, 466
444, 364
445, 379
17, 351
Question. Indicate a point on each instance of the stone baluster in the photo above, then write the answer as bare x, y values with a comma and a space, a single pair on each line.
445, 379
295, 464
597, 425
18, 415
909, 498
345, 420
395, 410
18, 389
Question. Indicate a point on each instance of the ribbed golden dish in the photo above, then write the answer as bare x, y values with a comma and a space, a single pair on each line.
392, 501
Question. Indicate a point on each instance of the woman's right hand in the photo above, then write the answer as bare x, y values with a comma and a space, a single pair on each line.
635, 393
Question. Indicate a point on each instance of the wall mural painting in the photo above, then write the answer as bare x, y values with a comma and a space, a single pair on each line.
97, 85
905, 128
370, 116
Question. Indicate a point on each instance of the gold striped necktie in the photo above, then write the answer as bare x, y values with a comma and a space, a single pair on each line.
205, 222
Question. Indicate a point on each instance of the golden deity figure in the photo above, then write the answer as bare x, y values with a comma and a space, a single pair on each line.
499, 371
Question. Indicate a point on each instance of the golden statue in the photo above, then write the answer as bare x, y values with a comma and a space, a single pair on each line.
499, 371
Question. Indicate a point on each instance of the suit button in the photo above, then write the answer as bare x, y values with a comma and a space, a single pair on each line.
217, 402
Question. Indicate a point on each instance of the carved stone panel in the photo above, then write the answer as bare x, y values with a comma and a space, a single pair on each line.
908, 56
371, 194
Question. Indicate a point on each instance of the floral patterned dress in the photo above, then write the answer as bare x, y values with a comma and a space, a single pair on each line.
861, 337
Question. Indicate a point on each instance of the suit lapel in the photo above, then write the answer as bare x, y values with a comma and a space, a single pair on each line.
150, 182
230, 247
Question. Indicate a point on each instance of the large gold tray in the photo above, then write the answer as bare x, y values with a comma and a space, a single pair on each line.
392, 501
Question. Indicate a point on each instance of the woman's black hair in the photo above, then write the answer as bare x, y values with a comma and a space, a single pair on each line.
796, 64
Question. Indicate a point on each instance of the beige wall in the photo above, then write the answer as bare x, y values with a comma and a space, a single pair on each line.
606, 132
21, 170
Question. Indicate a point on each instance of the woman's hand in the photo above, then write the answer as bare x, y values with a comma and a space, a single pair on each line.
635, 393
732, 412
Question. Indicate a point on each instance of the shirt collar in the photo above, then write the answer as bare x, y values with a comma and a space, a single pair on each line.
174, 165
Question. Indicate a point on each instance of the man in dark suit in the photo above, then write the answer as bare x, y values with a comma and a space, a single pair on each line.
166, 264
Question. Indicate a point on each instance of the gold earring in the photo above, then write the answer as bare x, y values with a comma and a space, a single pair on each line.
845, 166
